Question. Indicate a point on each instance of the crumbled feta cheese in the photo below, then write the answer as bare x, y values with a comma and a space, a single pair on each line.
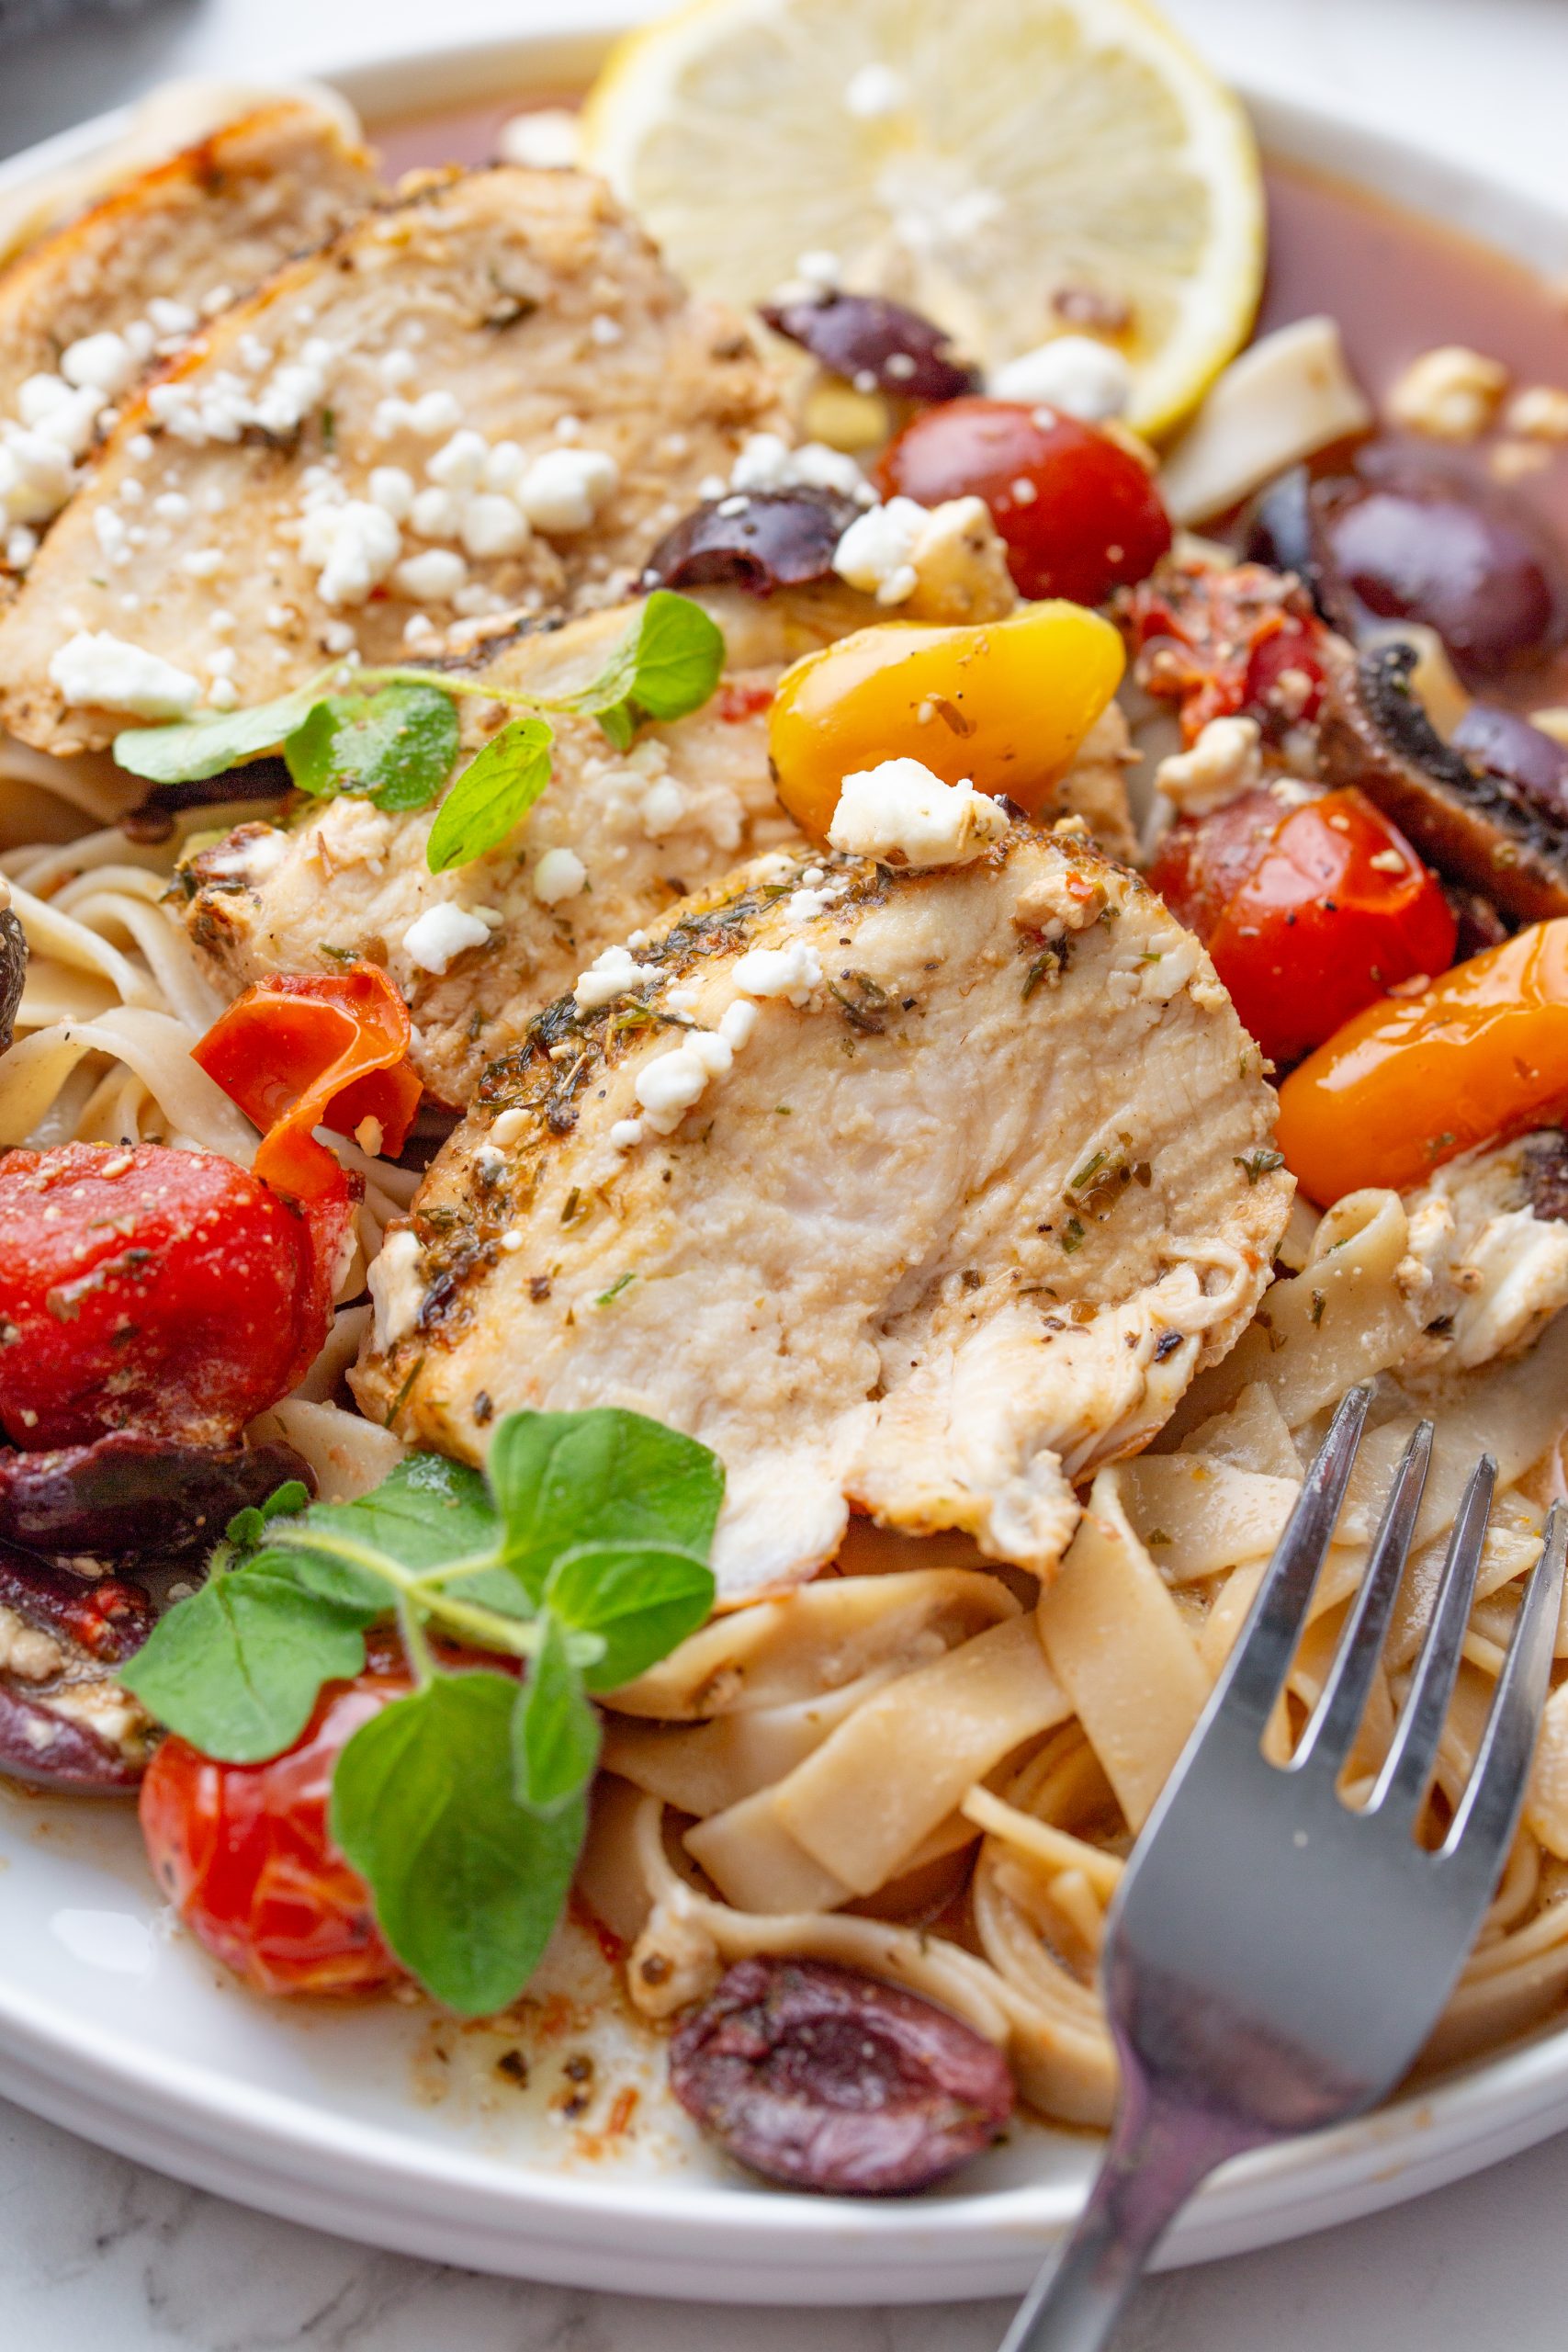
1072, 372
1224, 762
103, 672
875, 554
354, 547
820, 268
900, 810
434, 412
106, 361
546, 139
874, 90
736, 1025
172, 506
338, 636
395, 367
22, 546
793, 971
493, 525
434, 939
563, 489
612, 974
667, 1087
202, 563
506, 462
436, 514
223, 695
1489, 1271
626, 1134
432, 577
560, 874
169, 317
459, 464
605, 330
396, 1280
393, 487
1449, 394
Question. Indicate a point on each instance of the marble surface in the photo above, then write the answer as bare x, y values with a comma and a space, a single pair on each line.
95, 2250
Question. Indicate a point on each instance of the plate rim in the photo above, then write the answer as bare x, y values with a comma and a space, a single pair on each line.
272, 2149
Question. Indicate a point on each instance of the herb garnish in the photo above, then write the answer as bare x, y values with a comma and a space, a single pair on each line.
584, 1553
390, 736
1255, 1165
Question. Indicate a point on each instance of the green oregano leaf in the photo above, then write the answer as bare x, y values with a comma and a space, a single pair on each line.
467, 1883
668, 662
641, 1600
492, 796
393, 745
237, 1667
555, 1732
192, 748
605, 1476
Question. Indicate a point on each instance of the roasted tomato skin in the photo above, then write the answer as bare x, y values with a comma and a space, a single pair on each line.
243, 1853
147, 1288
1080, 516
1330, 907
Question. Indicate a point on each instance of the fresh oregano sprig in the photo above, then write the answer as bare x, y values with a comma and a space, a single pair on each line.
582, 1558
390, 736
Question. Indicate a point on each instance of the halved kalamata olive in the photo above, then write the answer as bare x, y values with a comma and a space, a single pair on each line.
152, 819
1506, 745
12, 973
1477, 828
879, 346
823, 2078
1277, 529
64, 1720
1396, 544
124, 1496
758, 540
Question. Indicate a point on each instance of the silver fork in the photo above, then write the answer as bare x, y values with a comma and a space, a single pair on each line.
1274, 1960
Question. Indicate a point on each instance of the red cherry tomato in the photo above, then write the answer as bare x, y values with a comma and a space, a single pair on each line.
1331, 909
1202, 861
243, 1852
1079, 514
146, 1288
1241, 639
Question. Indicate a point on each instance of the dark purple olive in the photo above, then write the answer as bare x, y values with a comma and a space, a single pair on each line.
12, 973
823, 2078
1502, 743
127, 1497
878, 344
1276, 526
64, 1722
758, 540
1403, 545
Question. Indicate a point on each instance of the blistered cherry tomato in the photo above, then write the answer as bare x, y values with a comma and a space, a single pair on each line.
1202, 861
1328, 911
1480, 1056
1004, 705
243, 1853
1079, 514
145, 1288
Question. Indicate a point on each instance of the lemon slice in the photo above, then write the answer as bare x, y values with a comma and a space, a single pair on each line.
1013, 168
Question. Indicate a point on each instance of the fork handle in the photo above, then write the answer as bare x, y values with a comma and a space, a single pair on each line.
1157, 2158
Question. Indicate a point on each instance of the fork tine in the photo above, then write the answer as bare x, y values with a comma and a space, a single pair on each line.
1401, 1783
1489, 1810
1332, 1728
1251, 1682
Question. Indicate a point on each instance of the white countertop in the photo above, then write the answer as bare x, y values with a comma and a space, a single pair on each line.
94, 2250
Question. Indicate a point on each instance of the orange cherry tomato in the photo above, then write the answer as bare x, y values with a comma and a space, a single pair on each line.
327, 1049
244, 1854
1480, 1056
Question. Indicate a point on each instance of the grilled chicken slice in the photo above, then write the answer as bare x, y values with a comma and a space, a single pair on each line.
85, 313
615, 841
491, 394
931, 1242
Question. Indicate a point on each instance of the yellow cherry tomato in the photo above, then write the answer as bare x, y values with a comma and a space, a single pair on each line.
1004, 705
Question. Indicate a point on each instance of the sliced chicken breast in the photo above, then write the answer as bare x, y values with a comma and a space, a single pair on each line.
918, 1193
615, 841
87, 312
489, 395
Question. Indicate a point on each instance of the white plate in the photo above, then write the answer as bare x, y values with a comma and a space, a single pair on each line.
128, 2034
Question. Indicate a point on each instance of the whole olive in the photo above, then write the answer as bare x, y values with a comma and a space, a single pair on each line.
1502, 743
1400, 545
